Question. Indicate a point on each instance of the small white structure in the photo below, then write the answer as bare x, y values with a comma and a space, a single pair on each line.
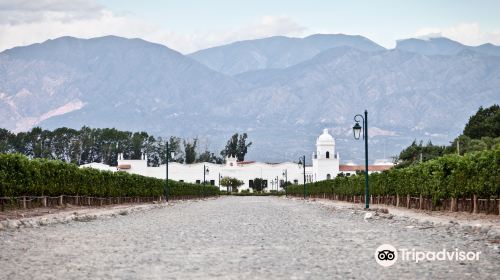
326, 160
99, 166
325, 165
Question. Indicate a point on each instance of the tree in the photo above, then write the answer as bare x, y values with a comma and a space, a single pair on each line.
230, 182
236, 146
190, 151
138, 142
418, 152
242, 147
485, 123
258, 185
6, 139
231, 148
208, 156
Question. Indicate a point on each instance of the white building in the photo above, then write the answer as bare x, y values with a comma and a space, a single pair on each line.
325, 165
326, 161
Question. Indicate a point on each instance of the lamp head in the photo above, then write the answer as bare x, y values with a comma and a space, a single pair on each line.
357, 130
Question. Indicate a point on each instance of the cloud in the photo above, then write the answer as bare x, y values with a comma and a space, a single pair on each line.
26, 22
465, 33
265, 27
15, 12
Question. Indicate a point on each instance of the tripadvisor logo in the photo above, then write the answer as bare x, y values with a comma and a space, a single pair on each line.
386, 255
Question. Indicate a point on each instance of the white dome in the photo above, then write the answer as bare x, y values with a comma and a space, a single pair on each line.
325, 138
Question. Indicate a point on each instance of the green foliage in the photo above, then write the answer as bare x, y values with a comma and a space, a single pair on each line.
258, 185
236, 146
232, 184
464, 144
41, 177
418, 152
481, 133
208, 156
443, 177
190, 151
485, 123
89, 145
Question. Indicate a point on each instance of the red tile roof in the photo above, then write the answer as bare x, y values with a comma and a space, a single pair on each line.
362, 167
245, 162
124, 166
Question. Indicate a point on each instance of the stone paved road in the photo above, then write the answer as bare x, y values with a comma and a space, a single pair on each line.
237, 237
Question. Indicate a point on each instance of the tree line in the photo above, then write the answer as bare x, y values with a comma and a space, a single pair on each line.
88, 145
481, 133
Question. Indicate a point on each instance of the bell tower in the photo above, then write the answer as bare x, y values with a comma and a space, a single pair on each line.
326, 160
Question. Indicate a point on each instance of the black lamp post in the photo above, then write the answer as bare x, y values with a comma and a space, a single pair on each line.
302, 161
167, 152
205, 172
357, 132
285, 174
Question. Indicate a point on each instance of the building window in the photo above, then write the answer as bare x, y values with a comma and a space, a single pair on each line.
198, 181
328, 176
327, 154
212, 182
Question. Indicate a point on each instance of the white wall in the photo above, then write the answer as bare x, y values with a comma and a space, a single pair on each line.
245, 172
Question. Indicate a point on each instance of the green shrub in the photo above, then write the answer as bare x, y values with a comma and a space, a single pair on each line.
444, 177
20, 176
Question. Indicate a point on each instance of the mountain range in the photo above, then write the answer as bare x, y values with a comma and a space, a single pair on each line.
281, 91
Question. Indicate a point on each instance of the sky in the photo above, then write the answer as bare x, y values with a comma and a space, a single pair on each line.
188, 25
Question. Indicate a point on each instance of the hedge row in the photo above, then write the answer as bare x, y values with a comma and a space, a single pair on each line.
20, 176
450, 176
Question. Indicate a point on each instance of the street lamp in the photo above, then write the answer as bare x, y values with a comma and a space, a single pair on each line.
302, 161
205, 172
172, 154
285, 174
357, 132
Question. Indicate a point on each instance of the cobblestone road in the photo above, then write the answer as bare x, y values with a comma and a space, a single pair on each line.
238, 237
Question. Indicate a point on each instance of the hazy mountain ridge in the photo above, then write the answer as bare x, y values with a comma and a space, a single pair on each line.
443, 46
120, 73
275, 52
132, 84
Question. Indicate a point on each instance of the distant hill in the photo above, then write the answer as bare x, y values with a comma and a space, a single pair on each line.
283, 104
108, 81
443, 46
276, 52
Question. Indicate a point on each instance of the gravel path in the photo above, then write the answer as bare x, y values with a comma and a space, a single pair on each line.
239, 237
